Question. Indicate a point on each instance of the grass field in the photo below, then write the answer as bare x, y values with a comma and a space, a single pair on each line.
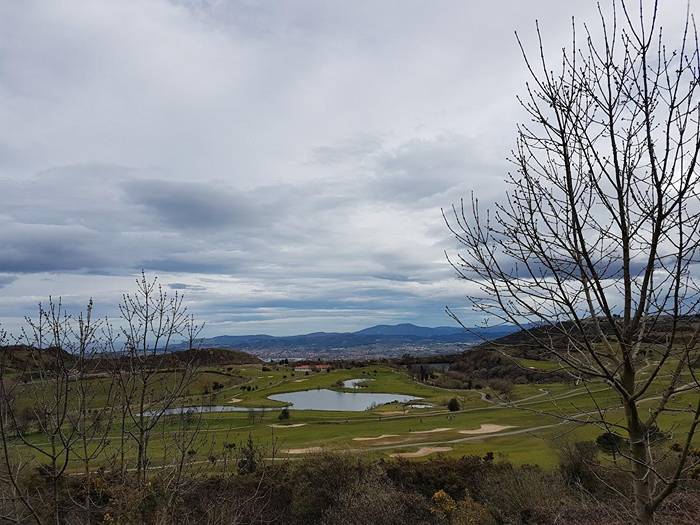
527, 430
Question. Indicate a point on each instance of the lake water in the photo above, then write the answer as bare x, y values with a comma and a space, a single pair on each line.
321, 399
324, 399
206, 410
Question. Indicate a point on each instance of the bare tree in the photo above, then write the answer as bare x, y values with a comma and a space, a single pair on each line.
151, 320
92, 394
49, 396
596, 240
17, 505
48, 387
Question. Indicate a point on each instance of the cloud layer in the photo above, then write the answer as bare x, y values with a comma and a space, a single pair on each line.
282, 164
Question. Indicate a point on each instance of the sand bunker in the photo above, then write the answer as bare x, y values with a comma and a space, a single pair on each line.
373, 438
441, 429
307, 450
300, 380
485, 429
234, 400
421, 452
295, 425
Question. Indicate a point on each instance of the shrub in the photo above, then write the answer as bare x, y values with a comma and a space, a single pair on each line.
250, 458
610, 443
465, 512
374, 499
453, 405
524, 495
502, 386
577, 464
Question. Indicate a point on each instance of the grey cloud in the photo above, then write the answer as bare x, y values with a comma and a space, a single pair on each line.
352, 150
6, 279
194, 263
424, 168
185, 286
31, 248
192, 206
80, 194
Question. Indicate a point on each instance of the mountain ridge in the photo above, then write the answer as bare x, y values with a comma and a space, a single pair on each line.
403, 333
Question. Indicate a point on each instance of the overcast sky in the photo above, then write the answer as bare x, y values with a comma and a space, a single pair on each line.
281, 163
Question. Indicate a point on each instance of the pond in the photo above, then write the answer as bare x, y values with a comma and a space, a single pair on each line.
321, 399
208, 409
324, 399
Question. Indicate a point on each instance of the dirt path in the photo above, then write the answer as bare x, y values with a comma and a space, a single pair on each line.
307, 450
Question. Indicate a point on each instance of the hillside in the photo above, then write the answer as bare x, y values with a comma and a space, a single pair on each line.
26, 358
523, 343
490, 359
207, 357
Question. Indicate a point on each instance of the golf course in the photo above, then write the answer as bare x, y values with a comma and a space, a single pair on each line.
227, 405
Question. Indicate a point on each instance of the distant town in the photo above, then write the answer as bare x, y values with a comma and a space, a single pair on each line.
376, 342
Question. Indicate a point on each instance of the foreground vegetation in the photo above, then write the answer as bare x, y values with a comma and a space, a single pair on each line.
342, 489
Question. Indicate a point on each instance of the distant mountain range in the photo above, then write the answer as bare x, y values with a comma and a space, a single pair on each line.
399, 334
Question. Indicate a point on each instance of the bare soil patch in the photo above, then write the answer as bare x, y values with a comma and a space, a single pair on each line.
485, 429
421, 452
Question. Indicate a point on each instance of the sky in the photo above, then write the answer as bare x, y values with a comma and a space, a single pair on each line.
282, 164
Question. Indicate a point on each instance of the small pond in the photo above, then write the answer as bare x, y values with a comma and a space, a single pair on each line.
205, 410
321, 399
324, 399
